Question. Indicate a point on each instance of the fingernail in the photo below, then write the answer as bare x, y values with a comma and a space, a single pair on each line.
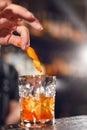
38, 24
41, 28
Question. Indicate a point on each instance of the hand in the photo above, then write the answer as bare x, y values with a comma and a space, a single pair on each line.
11, 19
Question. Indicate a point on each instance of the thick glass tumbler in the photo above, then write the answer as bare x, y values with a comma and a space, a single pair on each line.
37, 100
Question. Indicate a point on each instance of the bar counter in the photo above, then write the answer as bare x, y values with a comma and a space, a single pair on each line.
69, 123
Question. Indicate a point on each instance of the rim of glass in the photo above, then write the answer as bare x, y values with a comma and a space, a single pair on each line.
23, 76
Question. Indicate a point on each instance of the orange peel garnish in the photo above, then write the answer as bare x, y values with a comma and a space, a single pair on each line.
32, 54
30, 51
37, 65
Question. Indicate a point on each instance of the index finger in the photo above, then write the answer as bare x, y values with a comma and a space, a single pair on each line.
26, 15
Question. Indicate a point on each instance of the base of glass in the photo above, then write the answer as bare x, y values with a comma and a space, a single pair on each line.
39, 124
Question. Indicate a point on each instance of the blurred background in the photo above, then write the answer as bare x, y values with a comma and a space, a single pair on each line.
61, 48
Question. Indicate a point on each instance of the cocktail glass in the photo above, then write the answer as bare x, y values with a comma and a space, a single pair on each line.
37, 100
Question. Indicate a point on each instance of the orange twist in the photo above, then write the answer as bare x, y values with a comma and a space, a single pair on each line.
32, 54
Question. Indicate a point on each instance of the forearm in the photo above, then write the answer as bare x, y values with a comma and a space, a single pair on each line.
14, 113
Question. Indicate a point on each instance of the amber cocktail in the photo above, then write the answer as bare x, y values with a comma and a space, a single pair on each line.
37, 100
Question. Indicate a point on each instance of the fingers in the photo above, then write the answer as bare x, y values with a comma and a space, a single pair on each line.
26, 15
23, 38
19, 13
24, 34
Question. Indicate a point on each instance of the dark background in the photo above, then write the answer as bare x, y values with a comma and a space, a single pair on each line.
62, 49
